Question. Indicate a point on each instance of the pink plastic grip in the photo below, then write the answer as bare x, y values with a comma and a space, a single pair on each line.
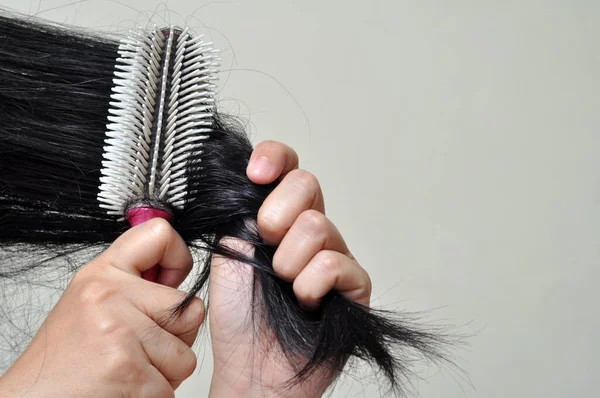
141, 214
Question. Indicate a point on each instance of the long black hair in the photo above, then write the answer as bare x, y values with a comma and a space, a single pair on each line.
55, 84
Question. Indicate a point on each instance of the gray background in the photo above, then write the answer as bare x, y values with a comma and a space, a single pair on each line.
457, 144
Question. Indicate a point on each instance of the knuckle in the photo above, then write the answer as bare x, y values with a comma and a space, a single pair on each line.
283, 268
115, 332
313, 221
306, 292
108, 326
302, 291
304, 180
160, 228
95, 291
120, 361
268, 221
122, 367
328, 262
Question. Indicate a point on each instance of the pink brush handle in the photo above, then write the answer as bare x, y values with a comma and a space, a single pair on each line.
141, 214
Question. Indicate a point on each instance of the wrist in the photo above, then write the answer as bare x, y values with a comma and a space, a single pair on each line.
221, 386
28, 378
231, 386
15, 382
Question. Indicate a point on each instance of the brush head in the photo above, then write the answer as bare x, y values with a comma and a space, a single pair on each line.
161, 111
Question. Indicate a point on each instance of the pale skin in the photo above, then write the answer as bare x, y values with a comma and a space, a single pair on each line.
109, 335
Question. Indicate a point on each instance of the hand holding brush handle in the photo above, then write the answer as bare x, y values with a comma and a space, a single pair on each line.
110, 335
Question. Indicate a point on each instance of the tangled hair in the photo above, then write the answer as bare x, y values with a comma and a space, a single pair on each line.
55, 84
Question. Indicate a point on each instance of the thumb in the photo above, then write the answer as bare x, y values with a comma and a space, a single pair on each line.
230, 295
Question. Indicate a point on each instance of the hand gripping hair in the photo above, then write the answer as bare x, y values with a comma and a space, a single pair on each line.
98, 133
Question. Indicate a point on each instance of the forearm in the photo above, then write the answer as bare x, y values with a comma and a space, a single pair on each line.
20, 378
8, 387
23, 379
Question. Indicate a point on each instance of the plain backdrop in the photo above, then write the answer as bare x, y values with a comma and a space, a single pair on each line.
457, 143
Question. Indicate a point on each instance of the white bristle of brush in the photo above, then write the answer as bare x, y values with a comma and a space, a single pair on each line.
152, 131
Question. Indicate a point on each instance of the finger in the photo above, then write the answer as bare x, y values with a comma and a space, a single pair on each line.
269, 161
311, 232
174, 359
158, 302
148, 244
188, 324
156, 385
330, 270
298, 191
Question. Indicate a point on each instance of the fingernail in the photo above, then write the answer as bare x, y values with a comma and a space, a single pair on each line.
260, 166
